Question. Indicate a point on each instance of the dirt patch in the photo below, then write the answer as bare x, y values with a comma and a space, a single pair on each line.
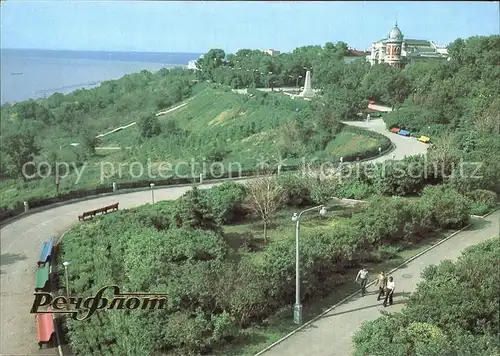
220, 118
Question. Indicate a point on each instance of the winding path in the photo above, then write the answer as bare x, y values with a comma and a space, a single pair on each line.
21, 241
405, 146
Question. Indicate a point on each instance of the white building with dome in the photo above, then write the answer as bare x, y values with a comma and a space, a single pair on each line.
398, 51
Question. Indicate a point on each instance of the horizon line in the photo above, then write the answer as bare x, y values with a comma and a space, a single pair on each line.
89, 50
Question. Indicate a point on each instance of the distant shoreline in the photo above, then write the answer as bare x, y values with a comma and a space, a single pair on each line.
46, 72
90, 85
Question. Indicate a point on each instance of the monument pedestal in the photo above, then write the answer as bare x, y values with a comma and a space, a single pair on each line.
307, 92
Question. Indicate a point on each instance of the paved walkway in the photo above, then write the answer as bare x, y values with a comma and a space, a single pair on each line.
331, 335
21, 241
405, 146
379, 107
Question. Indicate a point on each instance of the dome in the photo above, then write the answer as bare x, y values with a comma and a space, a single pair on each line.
395, 33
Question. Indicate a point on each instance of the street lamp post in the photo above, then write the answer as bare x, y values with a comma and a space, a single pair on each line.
152, 185
66, 264
297, 308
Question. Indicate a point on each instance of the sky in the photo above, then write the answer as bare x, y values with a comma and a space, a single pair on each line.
197, 26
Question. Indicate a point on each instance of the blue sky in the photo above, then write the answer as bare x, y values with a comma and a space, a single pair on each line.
199, 26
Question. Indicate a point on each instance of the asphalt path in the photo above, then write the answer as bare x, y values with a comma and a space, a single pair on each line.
405, 146
21, 242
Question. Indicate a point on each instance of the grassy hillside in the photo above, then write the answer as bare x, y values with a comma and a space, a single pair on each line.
216, 125
220, 125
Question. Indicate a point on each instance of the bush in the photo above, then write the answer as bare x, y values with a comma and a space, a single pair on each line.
483, 197
479, 209
353, 189
247, 302
401, 178
192, 211
297, 189
227, 202
415, 119
387, 252
322, 191
382, 221
450, 209
321, 255
149, 126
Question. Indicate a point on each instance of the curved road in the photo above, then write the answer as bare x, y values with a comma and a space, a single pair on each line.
405, 146
21, 241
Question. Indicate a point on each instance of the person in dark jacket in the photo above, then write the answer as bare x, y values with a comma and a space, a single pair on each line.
389, 291
381, 284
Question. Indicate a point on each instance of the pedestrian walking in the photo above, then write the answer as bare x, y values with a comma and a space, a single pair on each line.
381, 284
362, 277
389, 291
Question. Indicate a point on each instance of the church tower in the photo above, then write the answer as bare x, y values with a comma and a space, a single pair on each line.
394, 44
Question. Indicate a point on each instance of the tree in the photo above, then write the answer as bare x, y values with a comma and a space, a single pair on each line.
450, 209
192, 211
211, 60
88, 143
32, 110
19, 149
444, 156
398, 89
265, 197
149, 126
227, 202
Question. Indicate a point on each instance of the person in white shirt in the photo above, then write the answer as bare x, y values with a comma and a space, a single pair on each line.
363, 278
390, 291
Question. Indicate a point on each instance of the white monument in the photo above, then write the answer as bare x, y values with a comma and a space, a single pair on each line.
308, 92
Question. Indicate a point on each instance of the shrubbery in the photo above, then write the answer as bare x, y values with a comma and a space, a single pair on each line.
482, 201
227, 202
178, 248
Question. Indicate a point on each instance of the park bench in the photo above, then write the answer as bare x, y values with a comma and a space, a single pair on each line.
44, 328
42, 276
93, 213
46, 251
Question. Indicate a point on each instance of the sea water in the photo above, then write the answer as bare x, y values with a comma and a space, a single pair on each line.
28, 73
